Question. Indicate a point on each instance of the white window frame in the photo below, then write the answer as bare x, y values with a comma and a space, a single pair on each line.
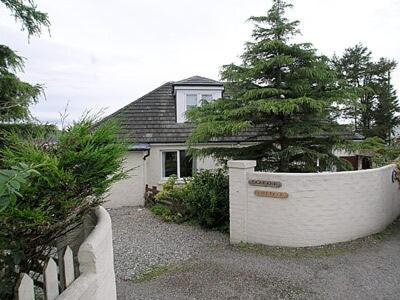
211, 98
178, 163
186, 102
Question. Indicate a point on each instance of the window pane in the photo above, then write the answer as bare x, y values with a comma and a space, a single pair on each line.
206, 97
186, 164
191, 101
170, 162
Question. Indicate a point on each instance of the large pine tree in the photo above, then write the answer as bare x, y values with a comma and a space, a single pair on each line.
286, 91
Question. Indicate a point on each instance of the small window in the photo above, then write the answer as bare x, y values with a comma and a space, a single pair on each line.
177, 163
207, 97
170, 164
191, 101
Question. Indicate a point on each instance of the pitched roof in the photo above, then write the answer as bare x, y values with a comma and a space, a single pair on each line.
199, 81
152, 119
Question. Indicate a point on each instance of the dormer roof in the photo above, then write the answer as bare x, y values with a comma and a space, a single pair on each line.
197, 81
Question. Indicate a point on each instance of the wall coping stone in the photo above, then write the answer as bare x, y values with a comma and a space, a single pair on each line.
242, 164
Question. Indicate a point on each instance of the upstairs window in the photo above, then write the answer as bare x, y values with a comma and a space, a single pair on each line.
206, 97
177, 163
191, 101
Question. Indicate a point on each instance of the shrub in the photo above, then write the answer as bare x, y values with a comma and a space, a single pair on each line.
58, 185
207, 199
174, 195
166, 213
204, 199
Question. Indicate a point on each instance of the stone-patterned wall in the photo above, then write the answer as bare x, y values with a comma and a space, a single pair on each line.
321, 208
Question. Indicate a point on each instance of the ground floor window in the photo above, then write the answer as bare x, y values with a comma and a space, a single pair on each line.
177, 162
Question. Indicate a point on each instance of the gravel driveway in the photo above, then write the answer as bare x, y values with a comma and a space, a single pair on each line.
156, 260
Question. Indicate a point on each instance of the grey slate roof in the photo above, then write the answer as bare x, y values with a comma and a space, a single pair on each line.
152, 119
199, 81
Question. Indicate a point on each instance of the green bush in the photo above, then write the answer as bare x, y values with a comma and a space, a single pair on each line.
204, 199
166, 214
174, 194
208, 199
50, 192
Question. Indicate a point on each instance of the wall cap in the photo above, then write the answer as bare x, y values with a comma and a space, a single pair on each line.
242, 164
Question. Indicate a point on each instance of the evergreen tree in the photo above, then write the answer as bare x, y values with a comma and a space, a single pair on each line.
353, 68
16, 95
385, 113
374, 111
282, 89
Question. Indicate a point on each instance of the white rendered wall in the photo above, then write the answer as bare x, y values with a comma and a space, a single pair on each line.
96, 264
322, 208
154, 163
181, 93
130, 191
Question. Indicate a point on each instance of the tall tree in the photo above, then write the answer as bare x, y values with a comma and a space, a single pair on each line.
374, 113
16, 95
285, 91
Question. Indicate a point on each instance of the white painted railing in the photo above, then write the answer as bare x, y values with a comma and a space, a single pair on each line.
51, 274
96, 267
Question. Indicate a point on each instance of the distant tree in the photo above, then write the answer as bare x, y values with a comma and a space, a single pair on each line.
16, 95
374, 111
385, 113
286, 91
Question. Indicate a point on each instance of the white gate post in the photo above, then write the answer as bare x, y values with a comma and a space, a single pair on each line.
238, 194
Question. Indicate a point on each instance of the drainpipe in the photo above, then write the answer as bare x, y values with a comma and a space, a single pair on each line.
147, 154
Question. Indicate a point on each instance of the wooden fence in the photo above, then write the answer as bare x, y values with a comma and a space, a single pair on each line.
56, 277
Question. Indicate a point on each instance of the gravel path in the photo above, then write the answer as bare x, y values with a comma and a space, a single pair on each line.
141, 240
206, 267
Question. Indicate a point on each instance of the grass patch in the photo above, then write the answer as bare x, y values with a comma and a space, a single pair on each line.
320, 251
153, 272
389, 231
325, 250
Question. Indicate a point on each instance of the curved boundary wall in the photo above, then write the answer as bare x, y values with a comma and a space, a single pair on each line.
96, 264
313, 209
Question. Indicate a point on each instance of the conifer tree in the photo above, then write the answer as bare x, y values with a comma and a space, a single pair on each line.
16, 95
283, 91
385, 113
374, 113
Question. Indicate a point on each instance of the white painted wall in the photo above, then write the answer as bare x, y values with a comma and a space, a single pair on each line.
154, 163
182, 91
322, 208
130, 191
96, 264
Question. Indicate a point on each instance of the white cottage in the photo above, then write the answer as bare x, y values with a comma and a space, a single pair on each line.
155, 127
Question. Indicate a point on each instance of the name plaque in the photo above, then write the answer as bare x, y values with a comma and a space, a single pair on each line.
266, 183
271, 194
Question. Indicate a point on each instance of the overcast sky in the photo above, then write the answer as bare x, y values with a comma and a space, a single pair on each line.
105, 54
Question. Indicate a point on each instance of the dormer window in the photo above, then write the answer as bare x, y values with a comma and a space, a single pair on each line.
207, 97
191, 101
192, 91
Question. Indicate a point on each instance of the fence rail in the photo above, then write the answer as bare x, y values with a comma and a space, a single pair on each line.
56, 277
